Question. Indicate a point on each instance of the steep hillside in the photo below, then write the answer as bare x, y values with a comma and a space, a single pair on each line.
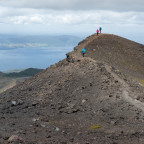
8, 80
125, 55
78, 100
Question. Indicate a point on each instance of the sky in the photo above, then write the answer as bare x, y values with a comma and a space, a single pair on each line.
74, 17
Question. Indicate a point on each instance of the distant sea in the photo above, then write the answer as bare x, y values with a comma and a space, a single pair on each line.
38, 57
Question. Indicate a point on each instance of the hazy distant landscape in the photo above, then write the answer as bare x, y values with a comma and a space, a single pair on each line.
32, 41
38, 51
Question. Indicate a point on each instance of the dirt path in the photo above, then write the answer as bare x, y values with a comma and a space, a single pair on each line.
132, 101
126, 91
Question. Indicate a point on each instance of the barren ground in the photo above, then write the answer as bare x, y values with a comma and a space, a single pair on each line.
97, 99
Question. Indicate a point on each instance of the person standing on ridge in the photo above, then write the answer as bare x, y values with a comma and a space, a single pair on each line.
97, 31
83, 51
100, 29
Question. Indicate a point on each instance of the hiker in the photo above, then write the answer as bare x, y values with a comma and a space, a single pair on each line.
97, 31
100, 29
83, 51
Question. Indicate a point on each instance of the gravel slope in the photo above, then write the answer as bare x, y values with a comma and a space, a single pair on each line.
78, 100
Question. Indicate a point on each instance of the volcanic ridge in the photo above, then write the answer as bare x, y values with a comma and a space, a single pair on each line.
96, 99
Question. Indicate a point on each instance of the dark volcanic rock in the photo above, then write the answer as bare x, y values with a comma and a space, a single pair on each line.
78, 100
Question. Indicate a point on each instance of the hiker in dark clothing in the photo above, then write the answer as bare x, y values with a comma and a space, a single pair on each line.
100, 29
83, 51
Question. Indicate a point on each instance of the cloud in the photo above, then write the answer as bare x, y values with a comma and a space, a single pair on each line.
62, 12
51, 17
71, 16
121, 5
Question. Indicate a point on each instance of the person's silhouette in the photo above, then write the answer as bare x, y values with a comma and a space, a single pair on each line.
100, 29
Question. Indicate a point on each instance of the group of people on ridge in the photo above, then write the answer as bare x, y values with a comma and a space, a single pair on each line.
83, 51
99, 30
